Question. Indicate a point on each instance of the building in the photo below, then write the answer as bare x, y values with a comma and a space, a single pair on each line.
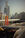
3, 16
0, 13
0, 16
6, 9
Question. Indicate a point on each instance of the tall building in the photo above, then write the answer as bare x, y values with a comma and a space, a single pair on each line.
3, 16
6, 9
0, 13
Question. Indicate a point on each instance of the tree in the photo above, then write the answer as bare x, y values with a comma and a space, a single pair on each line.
23, 16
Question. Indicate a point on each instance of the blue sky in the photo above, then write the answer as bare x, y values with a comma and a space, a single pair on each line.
15, 5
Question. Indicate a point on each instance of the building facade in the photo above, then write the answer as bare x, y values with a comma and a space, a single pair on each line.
6, 9
0, 15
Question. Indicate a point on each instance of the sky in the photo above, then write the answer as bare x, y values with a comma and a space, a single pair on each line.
14, 5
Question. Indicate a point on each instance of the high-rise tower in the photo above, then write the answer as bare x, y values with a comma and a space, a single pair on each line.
6, 9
